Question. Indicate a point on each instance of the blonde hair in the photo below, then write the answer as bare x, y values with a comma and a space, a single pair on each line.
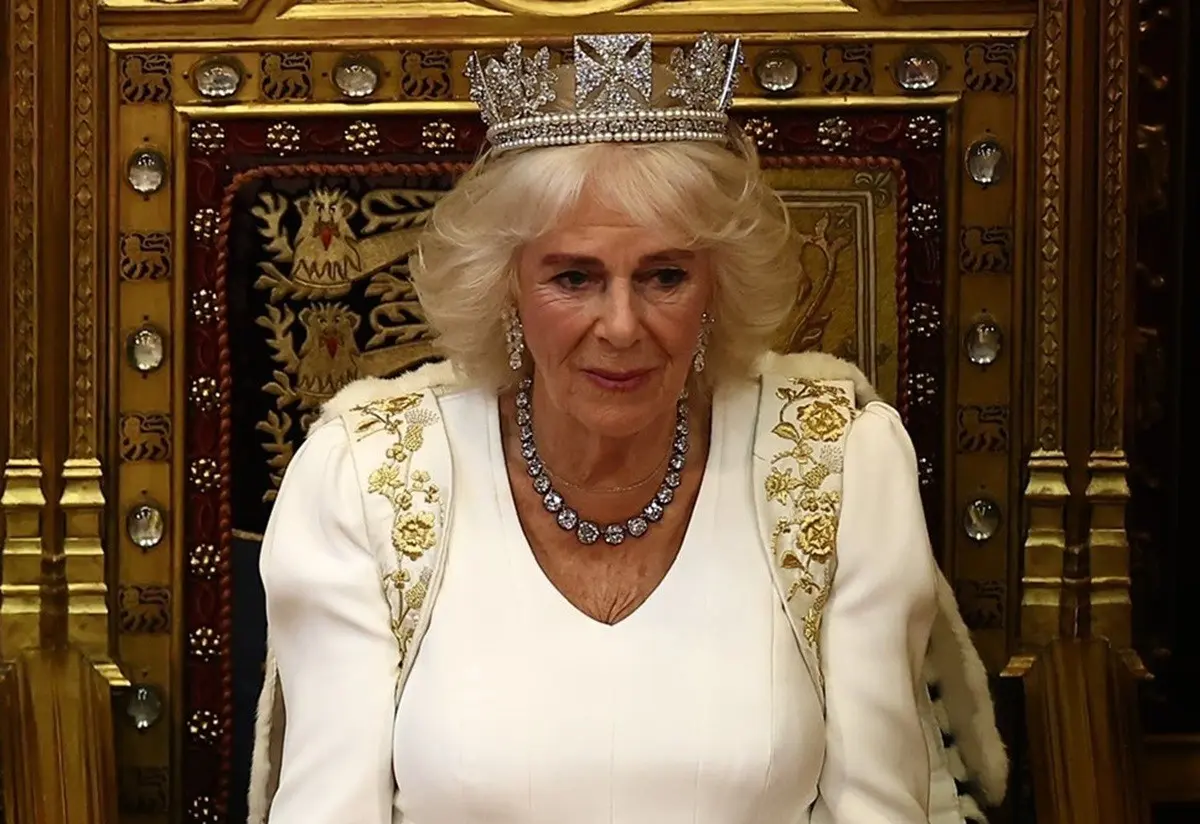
464, 268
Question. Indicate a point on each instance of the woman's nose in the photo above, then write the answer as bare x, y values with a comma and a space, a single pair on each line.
619, 322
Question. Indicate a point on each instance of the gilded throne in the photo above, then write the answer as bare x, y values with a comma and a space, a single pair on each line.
267, 184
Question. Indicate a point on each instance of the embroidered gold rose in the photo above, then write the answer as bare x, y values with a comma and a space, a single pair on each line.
413, 533
415, 501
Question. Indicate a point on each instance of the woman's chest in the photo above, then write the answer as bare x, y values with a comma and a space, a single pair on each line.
697, 707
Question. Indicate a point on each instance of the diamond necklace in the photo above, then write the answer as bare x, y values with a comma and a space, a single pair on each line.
588, 532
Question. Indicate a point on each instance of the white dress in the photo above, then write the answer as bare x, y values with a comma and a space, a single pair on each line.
519, 710
696, 708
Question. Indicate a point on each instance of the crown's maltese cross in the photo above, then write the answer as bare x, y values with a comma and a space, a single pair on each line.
613, 71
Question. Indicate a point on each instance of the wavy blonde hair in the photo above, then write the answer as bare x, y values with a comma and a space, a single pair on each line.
464, 267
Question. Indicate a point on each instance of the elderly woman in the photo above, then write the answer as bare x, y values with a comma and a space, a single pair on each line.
611, 561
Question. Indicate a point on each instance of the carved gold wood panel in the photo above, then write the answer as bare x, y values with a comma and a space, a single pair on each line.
1005, 75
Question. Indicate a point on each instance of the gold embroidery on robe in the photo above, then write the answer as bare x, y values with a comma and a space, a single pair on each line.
806, 479
416, 502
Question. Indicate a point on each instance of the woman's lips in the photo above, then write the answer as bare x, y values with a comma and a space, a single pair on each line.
621, 381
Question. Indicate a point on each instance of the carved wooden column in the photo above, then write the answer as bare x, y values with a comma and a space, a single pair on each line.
22, 500
1046, 492
1079, 671
1108, 488
57, 675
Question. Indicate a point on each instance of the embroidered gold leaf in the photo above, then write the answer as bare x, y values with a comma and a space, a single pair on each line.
783, 429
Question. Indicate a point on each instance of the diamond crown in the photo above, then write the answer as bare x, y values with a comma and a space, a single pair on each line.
618, 92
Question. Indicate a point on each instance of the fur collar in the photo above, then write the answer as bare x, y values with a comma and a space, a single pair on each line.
442, 375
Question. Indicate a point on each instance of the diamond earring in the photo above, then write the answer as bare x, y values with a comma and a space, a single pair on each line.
514, 338
698, 363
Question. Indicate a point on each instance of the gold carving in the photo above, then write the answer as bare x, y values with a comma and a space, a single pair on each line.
1046, 492
1046, 495
846, 216
1108, 488
390, 11
1051, 229
1108, 550
145, 436
21, 576
807, 325
83, 567
982, 428
145, 256
846, 69
145, 78
83, 242
23, 242
986, 250
286, 75
538, 7
144, 609
990, 67
1114, 226
425, 75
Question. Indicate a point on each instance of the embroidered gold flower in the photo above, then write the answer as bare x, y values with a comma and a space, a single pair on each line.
824, 502
383, 479
817, 535
780, 485
413, 533
821, 421
396, 452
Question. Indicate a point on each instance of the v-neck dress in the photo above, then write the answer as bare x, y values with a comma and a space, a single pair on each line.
520, 709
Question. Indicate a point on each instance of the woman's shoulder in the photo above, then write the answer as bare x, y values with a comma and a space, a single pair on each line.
436, 379
817, 366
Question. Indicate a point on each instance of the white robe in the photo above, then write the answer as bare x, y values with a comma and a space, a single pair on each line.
334, 638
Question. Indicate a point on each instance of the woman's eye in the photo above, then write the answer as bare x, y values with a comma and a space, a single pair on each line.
572, 279
669, 277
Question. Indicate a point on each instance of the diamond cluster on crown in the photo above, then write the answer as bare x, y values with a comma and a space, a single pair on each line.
614, 90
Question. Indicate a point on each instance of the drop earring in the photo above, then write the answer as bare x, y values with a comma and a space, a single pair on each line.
698, 362
514, 338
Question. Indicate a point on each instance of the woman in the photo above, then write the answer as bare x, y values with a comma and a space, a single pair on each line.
611, 562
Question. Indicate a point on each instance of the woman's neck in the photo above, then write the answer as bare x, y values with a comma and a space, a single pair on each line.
596, 463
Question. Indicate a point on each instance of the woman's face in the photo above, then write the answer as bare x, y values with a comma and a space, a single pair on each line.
612, 314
